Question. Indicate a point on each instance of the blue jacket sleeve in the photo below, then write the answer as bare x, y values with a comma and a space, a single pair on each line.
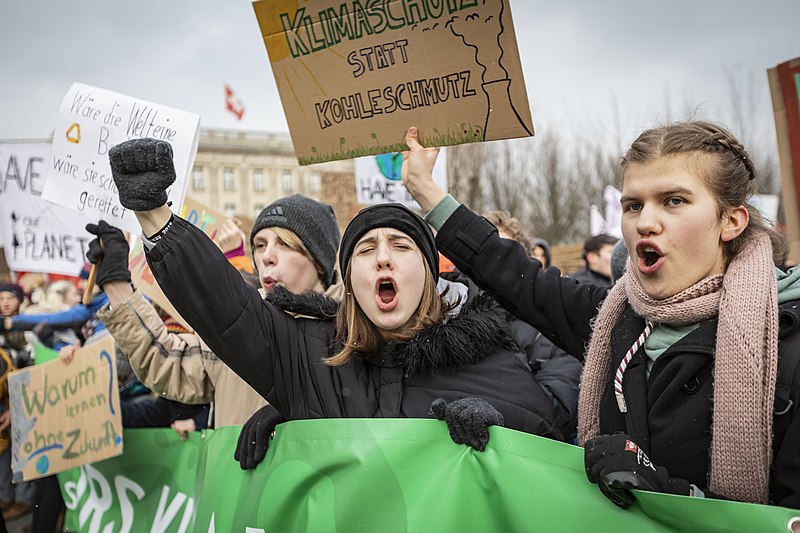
72, 317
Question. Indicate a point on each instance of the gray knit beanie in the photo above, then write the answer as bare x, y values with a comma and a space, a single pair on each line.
619, 257
313, 222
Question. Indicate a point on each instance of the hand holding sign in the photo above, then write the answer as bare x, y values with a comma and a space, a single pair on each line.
109, 252
417, 172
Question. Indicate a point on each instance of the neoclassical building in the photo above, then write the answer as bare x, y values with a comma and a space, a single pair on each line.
240, 172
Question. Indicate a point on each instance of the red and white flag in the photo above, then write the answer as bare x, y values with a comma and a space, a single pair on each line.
233, 104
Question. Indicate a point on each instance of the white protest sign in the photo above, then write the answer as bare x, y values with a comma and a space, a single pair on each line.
378, 179
92, 120
37, 235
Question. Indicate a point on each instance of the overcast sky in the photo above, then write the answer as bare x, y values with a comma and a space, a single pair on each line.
585, 61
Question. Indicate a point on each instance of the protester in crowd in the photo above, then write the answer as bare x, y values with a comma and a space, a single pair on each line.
392, 351
691, 333
14, 342
74, 318
619, 258
15, 352
509, 227
541, 251
597, 261
55, 297
291, 231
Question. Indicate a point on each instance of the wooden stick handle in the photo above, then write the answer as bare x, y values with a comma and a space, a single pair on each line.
87, 292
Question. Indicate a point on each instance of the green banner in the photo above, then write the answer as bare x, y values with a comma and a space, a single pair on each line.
42, 354
367, 475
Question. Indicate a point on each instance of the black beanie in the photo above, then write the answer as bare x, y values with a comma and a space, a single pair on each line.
395, 216
312, 221
14, 289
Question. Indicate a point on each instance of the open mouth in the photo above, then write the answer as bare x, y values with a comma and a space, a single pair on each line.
650, 258
386, 294
269, 282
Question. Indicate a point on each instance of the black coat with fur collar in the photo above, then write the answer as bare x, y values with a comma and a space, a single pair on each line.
280, 354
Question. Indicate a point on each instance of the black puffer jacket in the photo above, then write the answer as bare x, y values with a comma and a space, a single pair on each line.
558, 372
669, 411
280, 356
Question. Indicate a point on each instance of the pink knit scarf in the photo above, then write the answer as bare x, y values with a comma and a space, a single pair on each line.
745, 367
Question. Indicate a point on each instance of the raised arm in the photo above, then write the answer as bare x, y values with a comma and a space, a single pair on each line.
229, 315
556, 306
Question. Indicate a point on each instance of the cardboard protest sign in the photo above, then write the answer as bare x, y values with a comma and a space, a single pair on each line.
354, 75
38, 236
784, 82
199, 214
92, 120
378, 179
63, 416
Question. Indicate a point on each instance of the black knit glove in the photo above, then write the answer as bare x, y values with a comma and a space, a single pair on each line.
617, 464
113, 253
142, 170
254, 437
468, 420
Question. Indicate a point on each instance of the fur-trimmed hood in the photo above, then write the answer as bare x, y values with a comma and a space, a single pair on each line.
309, 304
480, 328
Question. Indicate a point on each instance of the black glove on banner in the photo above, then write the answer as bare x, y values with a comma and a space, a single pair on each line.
254, 437
142, 170
114, 253
616, 462
468, 420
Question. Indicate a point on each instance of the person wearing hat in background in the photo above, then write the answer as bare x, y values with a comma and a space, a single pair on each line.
293, 242
15, 500
597, 257
541, 251
80, 317
391, 350
619, 258
11, 299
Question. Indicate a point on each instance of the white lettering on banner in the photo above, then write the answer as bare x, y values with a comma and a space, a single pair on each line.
164, 518
100, 498
98, 503
247, 529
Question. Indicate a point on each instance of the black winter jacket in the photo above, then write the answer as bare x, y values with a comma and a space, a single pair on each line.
280, 356
669, 412
558, 372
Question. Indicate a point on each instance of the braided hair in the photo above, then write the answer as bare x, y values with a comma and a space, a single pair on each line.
726, 166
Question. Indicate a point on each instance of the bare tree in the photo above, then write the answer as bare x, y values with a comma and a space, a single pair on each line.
465, 164
546, 183
742, 114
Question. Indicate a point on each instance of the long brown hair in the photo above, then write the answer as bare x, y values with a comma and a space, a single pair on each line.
727, 168
359, 336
